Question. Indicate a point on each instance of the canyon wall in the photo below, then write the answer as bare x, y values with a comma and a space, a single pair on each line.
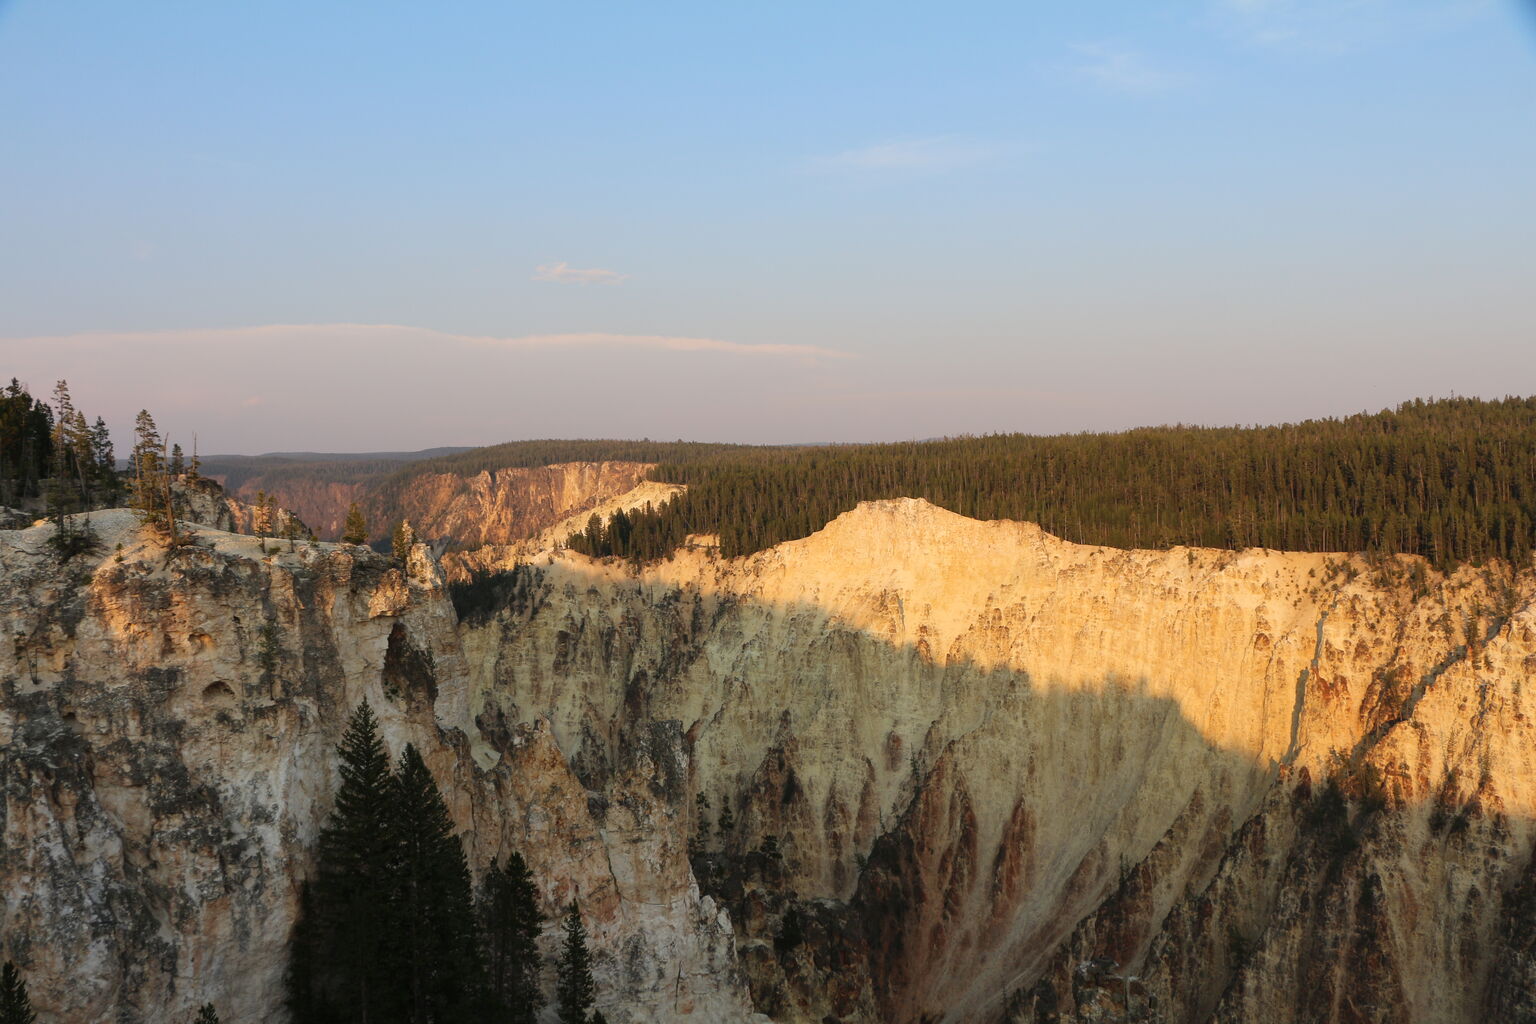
966, 760
500, 507
972, 772
168, 720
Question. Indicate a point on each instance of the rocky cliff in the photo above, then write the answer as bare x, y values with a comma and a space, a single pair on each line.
501, 507
167, 725
973, 773
967, 760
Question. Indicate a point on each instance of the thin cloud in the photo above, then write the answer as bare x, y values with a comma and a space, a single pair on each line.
933, 153
564, 273
320, 333
1332, 28
1122, 70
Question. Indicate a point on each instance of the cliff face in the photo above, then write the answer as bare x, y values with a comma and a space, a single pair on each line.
503, 507
1272, 786
974, 773
168, 722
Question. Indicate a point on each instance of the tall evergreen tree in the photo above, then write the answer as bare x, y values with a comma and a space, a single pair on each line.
207, 1015
432, 931
349, 896
510, 920
401, 540
355, 529
574, 988
26, 443
15, 1005
151, 482
105, 461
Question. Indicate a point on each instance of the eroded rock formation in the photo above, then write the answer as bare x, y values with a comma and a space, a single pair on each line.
974, 773
501, 507
168, 721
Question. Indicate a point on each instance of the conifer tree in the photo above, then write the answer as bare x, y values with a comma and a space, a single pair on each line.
727, 823
510, 921
355, 529
178, 462
26, 445
152, 494
574, 988
401, 540
104, 460
432, 934
15, 1005
354, 878
207, 1015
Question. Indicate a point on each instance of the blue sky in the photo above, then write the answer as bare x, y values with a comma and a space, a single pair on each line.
762, 222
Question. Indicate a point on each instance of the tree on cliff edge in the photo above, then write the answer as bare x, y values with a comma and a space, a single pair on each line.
207, 1015
15, 1006
355, 529
574, 988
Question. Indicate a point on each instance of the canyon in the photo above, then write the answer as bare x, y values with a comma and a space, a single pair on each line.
503, 506
974, 772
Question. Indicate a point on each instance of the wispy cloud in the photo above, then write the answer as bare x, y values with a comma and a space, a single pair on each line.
1338, 27
383, 333
931, 153
1122, 70
564, 273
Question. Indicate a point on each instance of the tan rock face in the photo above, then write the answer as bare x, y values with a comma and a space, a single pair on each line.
962, 761
1001, 754
168, 722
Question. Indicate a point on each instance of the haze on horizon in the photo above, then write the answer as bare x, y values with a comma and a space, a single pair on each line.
365, 227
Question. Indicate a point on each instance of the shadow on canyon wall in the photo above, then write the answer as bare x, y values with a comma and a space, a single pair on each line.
922, 837
916, 836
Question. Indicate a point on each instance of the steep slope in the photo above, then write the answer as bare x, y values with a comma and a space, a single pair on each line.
167, 728
985, 755
489, 507
973, 772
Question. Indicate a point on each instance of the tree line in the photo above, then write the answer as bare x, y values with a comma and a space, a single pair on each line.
391, 930
1453, 480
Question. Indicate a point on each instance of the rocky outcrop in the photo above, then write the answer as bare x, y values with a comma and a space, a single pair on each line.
167, 726
461, 565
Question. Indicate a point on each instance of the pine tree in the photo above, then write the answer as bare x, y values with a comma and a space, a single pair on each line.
574, 988
207, 1015
105, 463
15, 1006
401, 540
432, 933
151, 483
355, 530
353, 880
178, 462
261, 515
510, 920
727, 823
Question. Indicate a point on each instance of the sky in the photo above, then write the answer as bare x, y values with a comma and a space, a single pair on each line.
382, 226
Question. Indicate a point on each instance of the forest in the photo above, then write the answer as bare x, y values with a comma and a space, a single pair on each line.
1452, 479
